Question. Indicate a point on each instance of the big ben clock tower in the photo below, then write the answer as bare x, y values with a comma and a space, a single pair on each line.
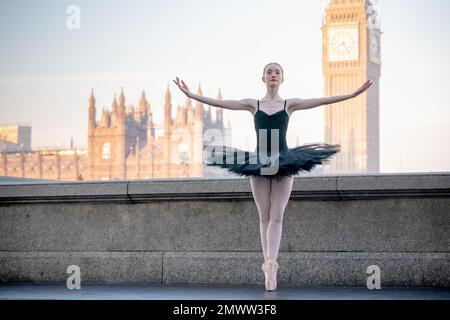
351, 56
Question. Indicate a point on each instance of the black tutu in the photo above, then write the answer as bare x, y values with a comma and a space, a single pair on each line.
285, 163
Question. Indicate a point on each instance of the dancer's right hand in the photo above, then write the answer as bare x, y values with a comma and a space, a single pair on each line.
183, 87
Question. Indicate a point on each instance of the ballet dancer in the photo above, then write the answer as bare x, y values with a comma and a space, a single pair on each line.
271, 189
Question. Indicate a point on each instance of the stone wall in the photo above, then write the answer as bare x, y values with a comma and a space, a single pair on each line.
207, 231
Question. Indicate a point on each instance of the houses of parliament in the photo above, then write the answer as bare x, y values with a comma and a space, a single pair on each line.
125, 144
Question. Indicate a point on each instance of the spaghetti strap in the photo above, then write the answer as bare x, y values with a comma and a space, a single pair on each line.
258, 106
285, 104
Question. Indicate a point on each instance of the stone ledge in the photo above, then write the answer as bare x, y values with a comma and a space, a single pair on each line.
321, 187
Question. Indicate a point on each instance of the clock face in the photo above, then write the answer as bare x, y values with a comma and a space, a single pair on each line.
343, 43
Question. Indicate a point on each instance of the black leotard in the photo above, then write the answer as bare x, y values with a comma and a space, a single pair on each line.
266, 124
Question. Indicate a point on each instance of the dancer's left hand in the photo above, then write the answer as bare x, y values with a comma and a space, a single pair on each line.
363, 88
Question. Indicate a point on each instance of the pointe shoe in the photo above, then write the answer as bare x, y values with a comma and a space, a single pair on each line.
265, 272
270, 268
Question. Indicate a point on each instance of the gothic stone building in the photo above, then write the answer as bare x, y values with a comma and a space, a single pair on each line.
124, 144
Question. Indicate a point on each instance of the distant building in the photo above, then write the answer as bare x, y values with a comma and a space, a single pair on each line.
124, 144
49, 164
15, 138
17, 159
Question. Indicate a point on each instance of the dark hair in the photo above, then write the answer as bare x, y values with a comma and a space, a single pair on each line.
264, 70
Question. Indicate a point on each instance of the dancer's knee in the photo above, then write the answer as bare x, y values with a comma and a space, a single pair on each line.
264, 219
276, 217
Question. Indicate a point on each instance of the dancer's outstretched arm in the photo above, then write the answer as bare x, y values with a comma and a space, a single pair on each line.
244, 104
302, 104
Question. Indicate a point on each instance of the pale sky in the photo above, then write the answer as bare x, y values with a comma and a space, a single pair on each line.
47, 70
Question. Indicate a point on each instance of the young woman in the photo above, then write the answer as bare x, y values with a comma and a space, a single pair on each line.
272, 167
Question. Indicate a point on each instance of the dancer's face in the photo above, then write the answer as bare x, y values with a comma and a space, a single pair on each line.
273, 75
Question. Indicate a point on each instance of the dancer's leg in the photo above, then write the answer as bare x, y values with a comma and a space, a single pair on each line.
261, 193
279, 197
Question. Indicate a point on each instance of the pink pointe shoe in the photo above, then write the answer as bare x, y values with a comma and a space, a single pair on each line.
270, 268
